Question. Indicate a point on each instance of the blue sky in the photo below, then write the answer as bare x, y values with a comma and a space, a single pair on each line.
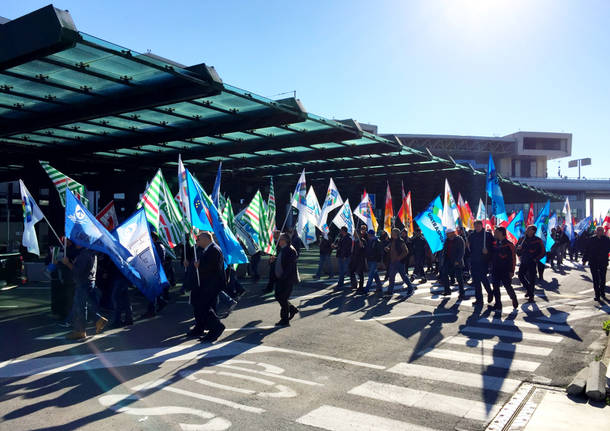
471, 67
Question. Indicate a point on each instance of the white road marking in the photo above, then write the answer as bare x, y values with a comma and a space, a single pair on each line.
116, 402
464, 408
530, 336
338, 419
523, 324
473, 380
165, 385
183, 352
264, 373
486, 358
497, 345
418, 316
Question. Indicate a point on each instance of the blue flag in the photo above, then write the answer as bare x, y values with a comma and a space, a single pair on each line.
134, 235
495, 193
583, 225
515, 228
83, 229
231, 249
431, 225
542, 224
216, 189
549, 234
199, 213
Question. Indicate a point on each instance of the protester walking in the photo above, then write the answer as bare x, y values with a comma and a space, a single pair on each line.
357, 261
210, 266
452, 263
374, 254
596, 254
480, 242
325, 251
84, 268
287, 276
530, 249
503, 268
419, 246
398, 251
344, 252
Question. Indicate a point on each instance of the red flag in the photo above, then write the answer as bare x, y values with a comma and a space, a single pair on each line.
530, 215
107, 216
405, 214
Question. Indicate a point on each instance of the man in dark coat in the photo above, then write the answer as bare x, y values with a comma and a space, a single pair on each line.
344, 252
373, 252
503, 262
530, 249
480, 242
453, 262
419, 244
210, 265
325, 251
287, 276
357, 261
596, 254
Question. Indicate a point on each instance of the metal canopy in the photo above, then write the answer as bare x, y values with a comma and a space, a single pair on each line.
91, 107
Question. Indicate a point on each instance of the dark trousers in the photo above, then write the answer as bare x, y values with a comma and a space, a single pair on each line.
419, 260
398, 268
527, 276
253, 266
283, 290
540, 266
478, 271
204, 312
120, 300
272, 279
503, 279
453, 271
598, 273
359, 271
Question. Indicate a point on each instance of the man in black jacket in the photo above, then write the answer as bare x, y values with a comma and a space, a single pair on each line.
596, 254
453, 262
480, 242
530, 249
325, 251
212, 280
373, 252
344, 252
419, 245
503, 267
287, 276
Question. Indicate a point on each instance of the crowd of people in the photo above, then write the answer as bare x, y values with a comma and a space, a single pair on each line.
85, 282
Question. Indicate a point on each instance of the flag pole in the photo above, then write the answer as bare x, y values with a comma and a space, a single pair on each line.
484, 224
53, 230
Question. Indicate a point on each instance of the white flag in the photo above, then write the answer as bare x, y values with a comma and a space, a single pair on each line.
308, 218
333, 200
481, 215
344, 218
31, 216
450, 211
299, 197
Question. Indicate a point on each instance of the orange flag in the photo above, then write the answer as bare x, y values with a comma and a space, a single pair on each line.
389, 212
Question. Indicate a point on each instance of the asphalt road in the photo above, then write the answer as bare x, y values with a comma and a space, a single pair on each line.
346, 363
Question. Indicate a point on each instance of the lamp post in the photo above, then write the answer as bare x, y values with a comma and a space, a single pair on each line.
579, 163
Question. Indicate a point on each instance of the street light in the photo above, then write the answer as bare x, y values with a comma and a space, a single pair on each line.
579, 163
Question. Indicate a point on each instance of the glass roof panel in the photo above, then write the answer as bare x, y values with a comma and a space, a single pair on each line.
273, 131
242, 156
269, 152
297, 149
328, 145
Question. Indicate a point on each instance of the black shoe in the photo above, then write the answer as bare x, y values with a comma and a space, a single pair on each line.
515, 303
283, 323
477, 304
193, 333
424, 280
213, 334
531, 299
293, 311
461, 297
147, 315
596, 299
446, 292
315, 277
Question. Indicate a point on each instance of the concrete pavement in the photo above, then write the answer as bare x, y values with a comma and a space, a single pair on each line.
423, 362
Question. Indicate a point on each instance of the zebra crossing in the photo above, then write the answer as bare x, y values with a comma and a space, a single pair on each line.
461, 383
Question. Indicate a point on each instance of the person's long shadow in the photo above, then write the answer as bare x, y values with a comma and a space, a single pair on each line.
429, 325
555, 323
87, 380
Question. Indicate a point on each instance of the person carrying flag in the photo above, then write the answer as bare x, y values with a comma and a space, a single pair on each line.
210, 265
398, 251
344, 253
452, 263
84, 268
480, 242
503, 262
596, 254
287, 276
530, 249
